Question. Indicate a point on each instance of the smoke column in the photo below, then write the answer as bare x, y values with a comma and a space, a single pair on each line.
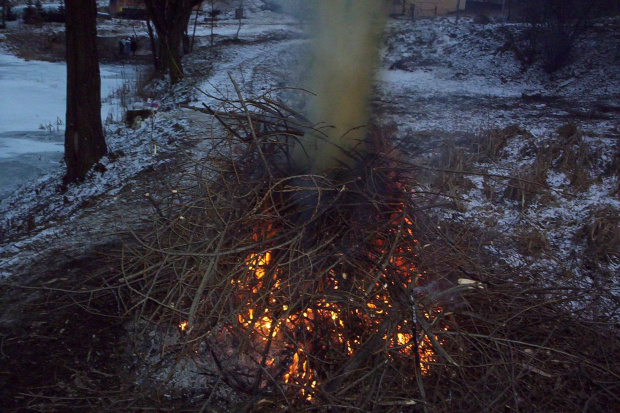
345, 52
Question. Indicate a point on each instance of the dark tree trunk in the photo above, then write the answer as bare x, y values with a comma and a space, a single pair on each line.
170, 18
3, 13
84, 141
191, 47
170, 56
154, 48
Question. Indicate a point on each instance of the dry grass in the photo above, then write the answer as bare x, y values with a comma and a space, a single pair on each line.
491, 142
614, 167
601, 233
566, 153
532, 242
571, 155
145, 78
526, 187
449, 172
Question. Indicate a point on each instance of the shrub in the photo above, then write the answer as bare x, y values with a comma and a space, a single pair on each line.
555, 26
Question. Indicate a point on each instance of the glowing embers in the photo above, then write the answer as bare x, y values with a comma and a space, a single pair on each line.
257, 263
305, 326
299, 372
183, 326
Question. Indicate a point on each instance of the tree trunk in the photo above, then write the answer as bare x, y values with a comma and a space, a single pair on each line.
3, 13
191, 47
154, 45
170, 19
84, 141
170, 56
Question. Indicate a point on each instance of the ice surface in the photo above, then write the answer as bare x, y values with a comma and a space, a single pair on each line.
33, 94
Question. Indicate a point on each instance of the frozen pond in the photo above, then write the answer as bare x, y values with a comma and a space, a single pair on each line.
32, 115
33, 94
27, 155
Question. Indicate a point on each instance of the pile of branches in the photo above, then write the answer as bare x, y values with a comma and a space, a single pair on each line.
306, 292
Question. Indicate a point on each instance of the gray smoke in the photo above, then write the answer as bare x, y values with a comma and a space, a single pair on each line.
345, 51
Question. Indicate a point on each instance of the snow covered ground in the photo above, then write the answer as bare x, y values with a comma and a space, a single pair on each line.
453, 98
150, 144
443, 75
461, 101
441, 84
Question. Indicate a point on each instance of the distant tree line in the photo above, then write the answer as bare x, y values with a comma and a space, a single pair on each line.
36, 14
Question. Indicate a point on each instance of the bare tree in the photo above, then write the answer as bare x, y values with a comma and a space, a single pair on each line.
170, 18
154, 48
84, 141
555, 26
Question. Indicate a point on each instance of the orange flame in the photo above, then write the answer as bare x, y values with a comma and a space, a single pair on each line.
183, 326
274, 321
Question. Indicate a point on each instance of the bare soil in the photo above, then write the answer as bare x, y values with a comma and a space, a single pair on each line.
56, 354
48, 43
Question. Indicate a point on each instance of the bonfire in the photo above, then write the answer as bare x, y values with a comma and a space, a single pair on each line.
335, 291
297, 288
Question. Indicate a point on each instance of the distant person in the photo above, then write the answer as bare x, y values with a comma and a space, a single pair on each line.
127, 46
133, 46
